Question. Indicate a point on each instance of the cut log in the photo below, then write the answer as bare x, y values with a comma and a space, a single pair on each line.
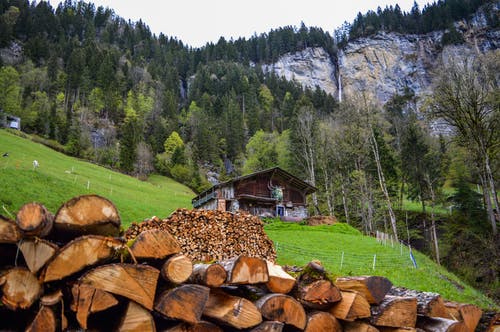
437, 324
9, 232
177, 269
282, 308
269, 326
37, 252
88, 300
320, 294
20, 288
428, 304
85, 215
373, 288
359, 327
396, 329
468, 313
201, 326
33, 219
136, 318
321, 321
395, 311
352, 306
246, 270
55, 301
231, 310
52, 298
185, 302
154, 244
211, 275
80, 253
279, 280
45, 321
135, 282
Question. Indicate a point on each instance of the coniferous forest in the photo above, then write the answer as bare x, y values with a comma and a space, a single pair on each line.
93, 85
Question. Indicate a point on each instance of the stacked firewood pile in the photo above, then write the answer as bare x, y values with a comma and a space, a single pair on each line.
73, 271
208, 235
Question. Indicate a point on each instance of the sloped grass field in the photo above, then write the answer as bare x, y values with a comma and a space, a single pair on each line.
60, 177
344, 251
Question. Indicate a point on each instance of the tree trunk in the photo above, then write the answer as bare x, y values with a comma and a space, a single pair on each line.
136, 318
352, 306
211, 275
282, 308
20, 288
279, 280
80, 253
433, 219
177, 269
395, 311
33, 219
154, 244
373, 288
320, 321
37, 252
185, 303
344, 202
246, 270
135, 282
232, 311
492, 191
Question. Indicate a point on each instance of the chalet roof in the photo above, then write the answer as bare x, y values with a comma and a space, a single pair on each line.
276, 171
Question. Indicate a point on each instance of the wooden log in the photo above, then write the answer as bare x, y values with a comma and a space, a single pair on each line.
320, 321
373, 288
45, 321
177, 269
201, 326
55, 301
185, 302
352, 306
428, 304
246, 270
154, 244
33, 219
88, 300
395, 311
492, 322
468, 313
438, 324
279, 280
359, 327
211, 275
9, 232
37, 252
282, 308
20, 288
396, 329
320, 294
136, 318
135, 282
52, 298
85, 215
231, 310
80, 253
269, 326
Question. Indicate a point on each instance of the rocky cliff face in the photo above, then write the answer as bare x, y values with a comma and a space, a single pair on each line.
386, 63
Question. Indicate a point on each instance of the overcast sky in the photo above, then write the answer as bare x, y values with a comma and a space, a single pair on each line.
196, 22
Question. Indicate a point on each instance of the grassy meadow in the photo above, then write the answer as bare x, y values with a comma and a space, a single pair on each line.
59, 178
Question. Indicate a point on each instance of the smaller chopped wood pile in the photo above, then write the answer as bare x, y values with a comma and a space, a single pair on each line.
73, 271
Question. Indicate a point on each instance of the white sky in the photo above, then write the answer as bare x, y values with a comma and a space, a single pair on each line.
196, 22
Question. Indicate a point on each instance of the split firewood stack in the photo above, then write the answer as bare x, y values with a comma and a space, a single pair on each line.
75, 271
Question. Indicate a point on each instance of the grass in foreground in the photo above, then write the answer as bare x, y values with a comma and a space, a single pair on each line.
60, 177
345, 251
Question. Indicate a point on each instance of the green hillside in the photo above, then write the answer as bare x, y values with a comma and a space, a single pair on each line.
60, 177
344, 251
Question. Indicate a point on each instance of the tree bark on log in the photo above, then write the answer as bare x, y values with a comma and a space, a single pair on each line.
33, 219
269, 326
154, 244
135, 282
87, 214
88, 300
80, 253
37, 252
279, 280
468, 313
428, 304
20, 288
321, 321
136, 318
396, 329
282, 308
352, 306
373, 288
437, 324
359, 327
201, 326
45, 321
9, 232
395, 311
246, 270
177, 269
185, 303
211, 275
231, 310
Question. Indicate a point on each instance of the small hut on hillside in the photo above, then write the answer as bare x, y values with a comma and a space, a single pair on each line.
268, 193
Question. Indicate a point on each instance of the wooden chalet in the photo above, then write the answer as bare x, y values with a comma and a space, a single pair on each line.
268, 193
